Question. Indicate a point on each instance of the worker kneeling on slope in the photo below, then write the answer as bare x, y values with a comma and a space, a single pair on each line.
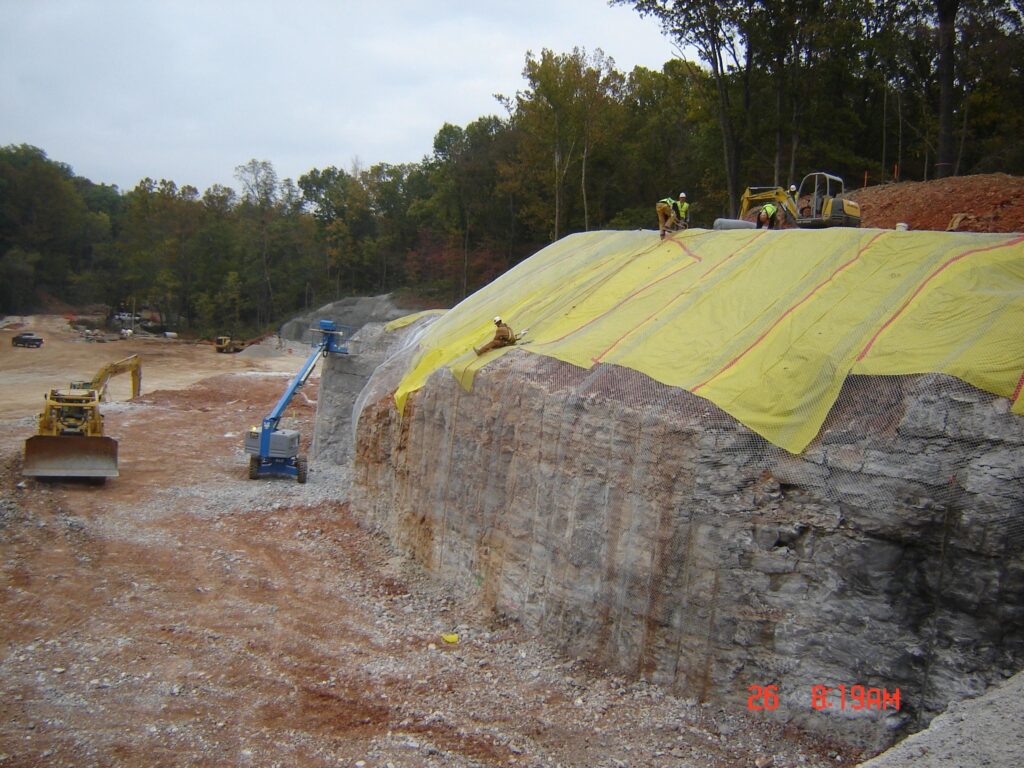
503, 337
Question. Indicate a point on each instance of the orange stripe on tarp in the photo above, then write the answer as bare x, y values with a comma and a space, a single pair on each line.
788, 312
672, 301
686, 250
626, 300
925, 282
1020, 386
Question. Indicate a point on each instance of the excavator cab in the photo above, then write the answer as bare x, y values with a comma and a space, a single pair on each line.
820, 203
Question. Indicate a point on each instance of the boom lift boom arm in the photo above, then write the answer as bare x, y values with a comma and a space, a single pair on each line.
276, 451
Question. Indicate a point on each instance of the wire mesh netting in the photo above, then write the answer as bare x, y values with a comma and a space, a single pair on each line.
645, 528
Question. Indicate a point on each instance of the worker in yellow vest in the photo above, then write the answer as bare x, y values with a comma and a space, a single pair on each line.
672, 214
766, 217
683, 209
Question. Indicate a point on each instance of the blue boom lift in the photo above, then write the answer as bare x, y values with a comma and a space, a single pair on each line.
274, 451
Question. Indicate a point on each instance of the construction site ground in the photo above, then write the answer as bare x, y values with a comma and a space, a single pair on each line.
183, 615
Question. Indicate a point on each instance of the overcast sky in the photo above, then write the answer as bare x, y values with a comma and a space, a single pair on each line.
189, 89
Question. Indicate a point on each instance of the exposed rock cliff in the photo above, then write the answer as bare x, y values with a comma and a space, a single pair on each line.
647, 530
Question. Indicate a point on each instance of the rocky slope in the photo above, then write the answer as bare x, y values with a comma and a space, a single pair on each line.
644, 529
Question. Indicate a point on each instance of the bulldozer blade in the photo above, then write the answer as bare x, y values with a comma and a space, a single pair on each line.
70, 456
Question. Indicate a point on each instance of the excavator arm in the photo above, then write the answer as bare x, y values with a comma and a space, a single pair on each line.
132, 364
755, 197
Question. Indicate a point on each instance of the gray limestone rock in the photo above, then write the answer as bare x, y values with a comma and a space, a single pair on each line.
649, 532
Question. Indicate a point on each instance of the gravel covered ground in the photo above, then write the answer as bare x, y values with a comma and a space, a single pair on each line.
183, 615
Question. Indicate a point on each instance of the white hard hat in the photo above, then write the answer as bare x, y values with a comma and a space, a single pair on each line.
682, 194
497, 319
792, 187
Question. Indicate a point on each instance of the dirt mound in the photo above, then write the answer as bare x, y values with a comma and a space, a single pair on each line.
985, 203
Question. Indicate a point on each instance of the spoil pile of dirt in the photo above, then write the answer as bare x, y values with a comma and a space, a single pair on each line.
991, 202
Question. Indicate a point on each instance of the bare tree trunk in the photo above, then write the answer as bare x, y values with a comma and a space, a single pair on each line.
779, 97
265, 253
885, 108
561, 169
899, 138
558, 195
583, 187
465, 263
729, 149
963, 135
946, 11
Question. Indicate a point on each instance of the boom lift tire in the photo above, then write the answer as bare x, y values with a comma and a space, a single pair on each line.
303, 468
254, 467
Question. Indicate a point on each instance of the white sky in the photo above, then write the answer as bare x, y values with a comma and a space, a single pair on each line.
189, 89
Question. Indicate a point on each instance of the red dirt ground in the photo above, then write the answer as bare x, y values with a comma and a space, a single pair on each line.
989, 203
182, 615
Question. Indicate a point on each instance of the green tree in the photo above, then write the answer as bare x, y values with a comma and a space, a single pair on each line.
714, 30
563, 117
41, 212
258, 211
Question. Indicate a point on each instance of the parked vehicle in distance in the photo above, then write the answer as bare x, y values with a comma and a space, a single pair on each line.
27, 339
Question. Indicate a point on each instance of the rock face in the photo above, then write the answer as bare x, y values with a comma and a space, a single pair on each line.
646, 530
343, 378
354, 312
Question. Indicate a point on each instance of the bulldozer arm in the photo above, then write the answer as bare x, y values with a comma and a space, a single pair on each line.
70, 456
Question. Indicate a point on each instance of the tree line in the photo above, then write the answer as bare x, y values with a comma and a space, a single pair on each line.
872, 91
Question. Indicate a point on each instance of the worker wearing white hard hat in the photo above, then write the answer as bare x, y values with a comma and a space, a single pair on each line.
683, 211
672, 214
504, 336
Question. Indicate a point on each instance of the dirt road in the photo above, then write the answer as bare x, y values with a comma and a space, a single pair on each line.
184, 615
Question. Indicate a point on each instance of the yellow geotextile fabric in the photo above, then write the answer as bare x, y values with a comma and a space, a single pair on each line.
765, 324
404, 320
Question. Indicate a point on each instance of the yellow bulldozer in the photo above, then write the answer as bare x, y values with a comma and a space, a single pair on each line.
227, 344
69, 439
818, 203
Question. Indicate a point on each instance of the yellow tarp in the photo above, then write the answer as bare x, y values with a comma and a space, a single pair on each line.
404, 320
765, 324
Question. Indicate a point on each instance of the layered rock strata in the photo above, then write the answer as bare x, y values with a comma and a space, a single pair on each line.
646, 530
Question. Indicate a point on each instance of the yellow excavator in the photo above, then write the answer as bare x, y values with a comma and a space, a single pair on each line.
131, 364
69, 439
818, 203
229, 344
